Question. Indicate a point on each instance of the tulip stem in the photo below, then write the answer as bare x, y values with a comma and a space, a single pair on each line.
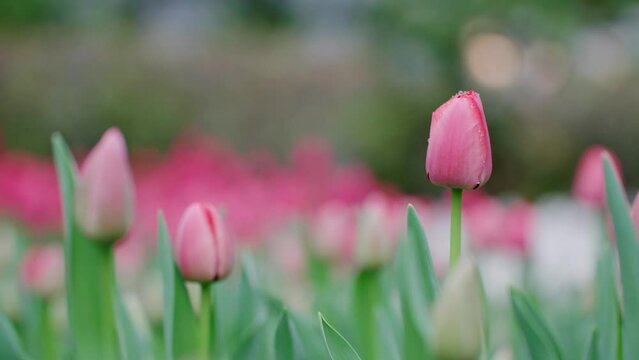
455, 226
367, 298
205, 320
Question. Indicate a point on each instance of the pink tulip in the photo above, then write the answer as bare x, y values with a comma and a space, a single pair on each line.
42, 270
334, 228
459, 154
518, 226
203, 249
104, 193
589, 185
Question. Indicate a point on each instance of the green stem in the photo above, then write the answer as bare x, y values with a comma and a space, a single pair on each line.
47, 341
367, 298
455, 226
205, 320
108, 305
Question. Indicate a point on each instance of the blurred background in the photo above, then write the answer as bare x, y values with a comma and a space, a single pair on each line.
365, 75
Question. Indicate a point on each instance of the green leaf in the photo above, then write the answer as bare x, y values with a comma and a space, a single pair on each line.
135, 342
10, 347
287, 340
418, 287
628, 249
249, 344
542, 344
180, 322
607, 311
540, 341
592, 351
310, 336
337, 346
39, 333
87, 263
420, 253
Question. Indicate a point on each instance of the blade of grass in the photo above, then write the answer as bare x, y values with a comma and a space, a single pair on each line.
628, 249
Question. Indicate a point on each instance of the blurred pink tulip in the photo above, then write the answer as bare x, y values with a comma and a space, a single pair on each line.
104, 193
493, 224
588, 185
334, 228
203, 249
459, 154
29, 191
518, 226
42, 269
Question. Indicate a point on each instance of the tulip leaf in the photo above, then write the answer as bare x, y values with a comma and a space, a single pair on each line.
541, 342
38, 331
607, 311
592, 351
337, 346
249, 344
135, 342
179, 316
418, 286
287, 340
628, 249
10, 347
87, 263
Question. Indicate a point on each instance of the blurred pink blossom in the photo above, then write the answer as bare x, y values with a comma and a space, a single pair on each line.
588, 185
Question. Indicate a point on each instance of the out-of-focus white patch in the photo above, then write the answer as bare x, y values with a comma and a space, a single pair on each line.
151, 296
500, 270
436, 224
504, 353
564, 247
138, 318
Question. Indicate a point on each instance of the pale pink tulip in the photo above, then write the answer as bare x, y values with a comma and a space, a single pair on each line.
459, 154
334, 228
588, 185
42, 270
203, 249
377, 231
105, 190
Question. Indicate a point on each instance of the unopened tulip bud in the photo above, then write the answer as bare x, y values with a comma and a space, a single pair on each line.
589, 184
459, 154
104, 192
203, 249
42, 270
377, 234
458, 314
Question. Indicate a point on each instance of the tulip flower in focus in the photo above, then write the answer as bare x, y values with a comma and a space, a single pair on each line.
459, 154
203, 249
588, 185
42, 270
104, 192
377, 233
458, 314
